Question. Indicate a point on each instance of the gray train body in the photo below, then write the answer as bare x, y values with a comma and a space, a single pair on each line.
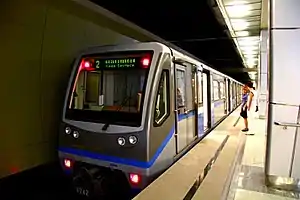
140, 110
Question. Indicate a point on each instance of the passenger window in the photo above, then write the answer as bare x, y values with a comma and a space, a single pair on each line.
200, 87
162, 99
222, 90
216, 90
180, 75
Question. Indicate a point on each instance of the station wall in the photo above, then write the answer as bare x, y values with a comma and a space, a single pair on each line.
38, 44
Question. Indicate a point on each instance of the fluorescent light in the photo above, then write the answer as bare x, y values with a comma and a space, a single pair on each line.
238, 10
249, 48
251, 60
242, 33
249, 51
239, 24
251, 63
237, 3
250, 38
250, 56
248, 42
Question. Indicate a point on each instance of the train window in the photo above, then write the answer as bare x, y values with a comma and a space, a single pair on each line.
216, 90
92, 87
222, 90
200, 87
113, 96
162, 99
180, 79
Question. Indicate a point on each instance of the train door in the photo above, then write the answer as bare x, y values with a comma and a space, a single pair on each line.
228, 95
236, 94
191, 107
205, 99
185, 107
199, 103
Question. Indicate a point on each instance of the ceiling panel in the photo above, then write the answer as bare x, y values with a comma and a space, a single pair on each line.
243, 18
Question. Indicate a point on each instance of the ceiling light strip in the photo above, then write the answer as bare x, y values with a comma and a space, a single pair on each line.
232, 32
237, 27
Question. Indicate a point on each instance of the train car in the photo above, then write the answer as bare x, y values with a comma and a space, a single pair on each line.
132, 110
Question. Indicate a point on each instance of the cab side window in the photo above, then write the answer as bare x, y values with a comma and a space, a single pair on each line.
162, 102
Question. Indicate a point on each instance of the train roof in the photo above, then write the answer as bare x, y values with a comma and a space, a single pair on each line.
163, 47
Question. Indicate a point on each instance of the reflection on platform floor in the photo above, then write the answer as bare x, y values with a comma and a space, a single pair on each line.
242, 194
248, 181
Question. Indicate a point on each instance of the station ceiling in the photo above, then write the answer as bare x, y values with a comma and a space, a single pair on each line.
191, 25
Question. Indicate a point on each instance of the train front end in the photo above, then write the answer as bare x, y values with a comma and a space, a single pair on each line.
103, 139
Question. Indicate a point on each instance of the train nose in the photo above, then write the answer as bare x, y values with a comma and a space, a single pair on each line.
83, 182
96, 183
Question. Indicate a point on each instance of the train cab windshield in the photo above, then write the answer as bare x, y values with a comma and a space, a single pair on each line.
110, 88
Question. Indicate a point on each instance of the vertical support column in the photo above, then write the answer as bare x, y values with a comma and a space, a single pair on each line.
263, 75
283, 144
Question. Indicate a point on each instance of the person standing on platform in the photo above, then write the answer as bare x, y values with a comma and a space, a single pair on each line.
246, 105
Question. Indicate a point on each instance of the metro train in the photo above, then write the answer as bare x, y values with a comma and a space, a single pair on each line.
133, 110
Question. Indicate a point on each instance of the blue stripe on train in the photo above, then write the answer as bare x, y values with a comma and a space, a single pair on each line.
132, 162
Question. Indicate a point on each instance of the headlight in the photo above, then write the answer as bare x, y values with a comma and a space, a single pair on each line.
68, 130
132, 139
121, 141
76, 134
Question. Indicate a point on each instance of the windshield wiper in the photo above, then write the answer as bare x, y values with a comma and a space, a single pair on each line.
104, 128
127, 97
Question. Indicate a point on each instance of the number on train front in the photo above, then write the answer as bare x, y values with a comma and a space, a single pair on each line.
82, 191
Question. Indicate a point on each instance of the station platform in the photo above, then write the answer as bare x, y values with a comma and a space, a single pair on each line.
248, 181
226, 165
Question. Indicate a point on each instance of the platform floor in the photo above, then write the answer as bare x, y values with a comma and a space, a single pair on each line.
248, 180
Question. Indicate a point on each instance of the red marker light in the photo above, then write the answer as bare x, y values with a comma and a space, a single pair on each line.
67, 163
135, 178
87, 64
145, 62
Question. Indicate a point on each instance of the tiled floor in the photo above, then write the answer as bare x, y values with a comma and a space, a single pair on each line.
242, 194
248, 180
